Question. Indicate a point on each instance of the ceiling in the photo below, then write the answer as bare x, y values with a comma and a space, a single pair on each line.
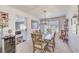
37, 10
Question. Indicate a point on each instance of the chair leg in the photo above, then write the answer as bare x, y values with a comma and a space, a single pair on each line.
34, 50
44, 50
53, 49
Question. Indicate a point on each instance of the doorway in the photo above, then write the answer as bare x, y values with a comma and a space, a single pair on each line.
21, 30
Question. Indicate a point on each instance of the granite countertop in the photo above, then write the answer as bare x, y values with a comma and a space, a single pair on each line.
7, 37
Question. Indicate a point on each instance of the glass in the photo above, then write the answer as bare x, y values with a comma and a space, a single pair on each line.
52, 25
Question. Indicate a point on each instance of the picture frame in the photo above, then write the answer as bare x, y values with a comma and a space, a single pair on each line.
4, 19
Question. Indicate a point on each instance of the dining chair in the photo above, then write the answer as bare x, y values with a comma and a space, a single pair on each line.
38, 43
51, 43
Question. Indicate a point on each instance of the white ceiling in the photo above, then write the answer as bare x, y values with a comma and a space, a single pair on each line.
37, 10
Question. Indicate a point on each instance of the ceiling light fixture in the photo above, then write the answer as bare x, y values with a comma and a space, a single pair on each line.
45, 18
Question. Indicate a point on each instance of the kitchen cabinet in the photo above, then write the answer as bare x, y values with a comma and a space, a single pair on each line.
8, 44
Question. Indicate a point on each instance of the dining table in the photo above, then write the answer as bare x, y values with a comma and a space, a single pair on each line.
47, 39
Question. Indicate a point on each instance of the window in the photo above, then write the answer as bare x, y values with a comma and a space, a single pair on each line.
53, 25
34, 24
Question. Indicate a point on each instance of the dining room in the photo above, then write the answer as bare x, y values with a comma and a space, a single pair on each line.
49, 32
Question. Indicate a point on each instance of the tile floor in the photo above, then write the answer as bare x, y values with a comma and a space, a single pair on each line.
26, 47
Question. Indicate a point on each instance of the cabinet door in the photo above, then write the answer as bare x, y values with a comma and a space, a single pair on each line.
9, 45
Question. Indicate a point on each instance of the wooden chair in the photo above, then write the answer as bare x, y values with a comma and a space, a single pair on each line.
38, 43
51, 43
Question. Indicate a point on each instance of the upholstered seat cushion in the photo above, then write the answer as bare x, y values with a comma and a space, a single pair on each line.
40, 46
50, 44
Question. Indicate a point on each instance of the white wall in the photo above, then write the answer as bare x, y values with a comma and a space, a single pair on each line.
73, 38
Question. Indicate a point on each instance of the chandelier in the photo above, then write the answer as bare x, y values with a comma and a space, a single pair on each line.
45, 18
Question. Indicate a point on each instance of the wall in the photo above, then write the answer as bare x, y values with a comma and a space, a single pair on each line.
73, 38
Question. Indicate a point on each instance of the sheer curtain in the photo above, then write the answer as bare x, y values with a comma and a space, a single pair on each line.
52, 25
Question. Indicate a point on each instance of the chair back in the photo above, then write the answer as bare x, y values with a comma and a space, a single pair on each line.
53, 39
36, 38
53, 36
